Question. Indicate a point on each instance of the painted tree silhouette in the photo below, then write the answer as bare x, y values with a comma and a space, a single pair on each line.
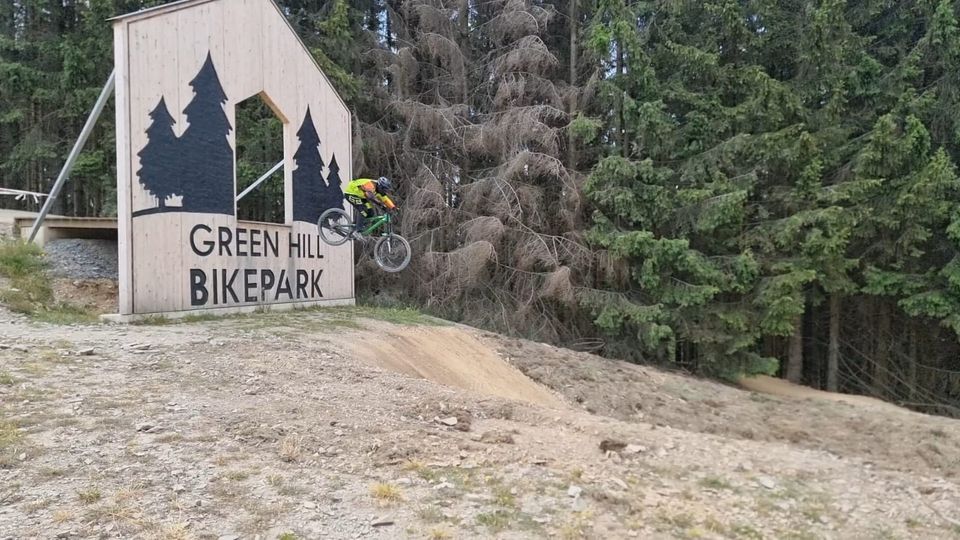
158, 160
207, 157
333, 194
308, 186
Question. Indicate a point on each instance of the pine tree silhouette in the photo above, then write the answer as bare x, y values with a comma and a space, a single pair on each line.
205, 151
308, 186
333, 194
159, 173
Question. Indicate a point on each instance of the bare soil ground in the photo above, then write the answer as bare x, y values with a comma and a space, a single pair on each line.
310, 425
857, 427
95, 295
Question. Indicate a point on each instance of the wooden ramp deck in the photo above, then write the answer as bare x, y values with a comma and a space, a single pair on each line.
18, 224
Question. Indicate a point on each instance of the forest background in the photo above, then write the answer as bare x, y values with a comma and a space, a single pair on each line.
723, 186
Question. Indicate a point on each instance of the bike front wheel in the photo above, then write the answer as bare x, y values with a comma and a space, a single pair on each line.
392, 253
335, 226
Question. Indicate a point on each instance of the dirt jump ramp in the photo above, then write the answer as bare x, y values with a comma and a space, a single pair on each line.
453, 357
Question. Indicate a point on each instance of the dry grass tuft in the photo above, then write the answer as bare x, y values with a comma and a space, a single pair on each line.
121, 510
52, 472
169, 438
576, 527
413, 465
89, 496
238, 475
176, 531
422, 470
9, 434
262, 515
63, 516
439, 534
290, 448
430, 514
386, 493
37, 505
496, 521
715, 483
504, 497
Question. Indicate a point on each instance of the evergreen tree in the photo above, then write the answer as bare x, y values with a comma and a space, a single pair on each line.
760, 157
160, 157
477, 118
673, 196
205, 148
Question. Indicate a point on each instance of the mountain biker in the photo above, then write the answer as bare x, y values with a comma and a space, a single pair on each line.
366, 195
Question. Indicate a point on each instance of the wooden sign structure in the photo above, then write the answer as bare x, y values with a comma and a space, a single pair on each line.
181, 69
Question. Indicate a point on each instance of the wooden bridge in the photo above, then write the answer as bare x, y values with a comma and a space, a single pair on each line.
17, 224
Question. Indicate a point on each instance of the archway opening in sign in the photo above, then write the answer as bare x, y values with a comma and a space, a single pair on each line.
259, 142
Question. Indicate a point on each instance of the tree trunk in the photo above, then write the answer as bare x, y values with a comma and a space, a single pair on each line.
388, 20
574, 26
464, 17
881, 360
833, 357
795, 357
914, 358
373, 18
622, 127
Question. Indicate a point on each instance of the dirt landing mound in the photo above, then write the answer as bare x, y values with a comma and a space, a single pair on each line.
780, 387
452, 357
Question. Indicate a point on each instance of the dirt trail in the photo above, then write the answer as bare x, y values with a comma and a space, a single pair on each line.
780, 387
450, 356
278, 423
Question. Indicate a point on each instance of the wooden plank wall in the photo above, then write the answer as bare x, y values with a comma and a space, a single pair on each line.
254, 51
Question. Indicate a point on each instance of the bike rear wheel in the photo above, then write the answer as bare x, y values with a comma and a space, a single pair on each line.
392, 253
335, 226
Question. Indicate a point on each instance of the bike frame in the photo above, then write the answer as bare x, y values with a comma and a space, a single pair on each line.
379, 221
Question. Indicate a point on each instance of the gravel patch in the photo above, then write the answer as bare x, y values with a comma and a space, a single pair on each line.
78, 258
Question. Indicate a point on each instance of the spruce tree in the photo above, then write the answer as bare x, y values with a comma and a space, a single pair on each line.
672, 197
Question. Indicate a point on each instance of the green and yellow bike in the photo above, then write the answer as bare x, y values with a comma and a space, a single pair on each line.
391, 251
